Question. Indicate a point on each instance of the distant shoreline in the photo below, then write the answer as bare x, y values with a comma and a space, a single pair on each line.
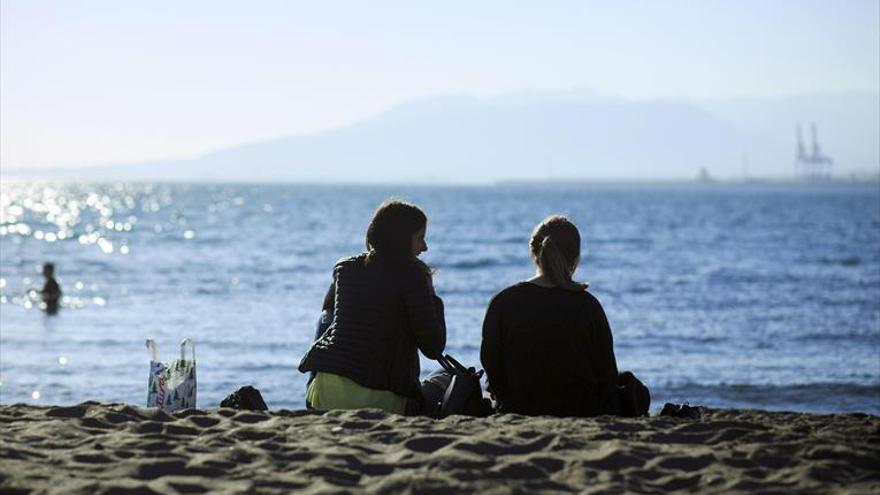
694, 183
560, 182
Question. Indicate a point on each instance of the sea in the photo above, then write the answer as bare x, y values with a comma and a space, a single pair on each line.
719, 295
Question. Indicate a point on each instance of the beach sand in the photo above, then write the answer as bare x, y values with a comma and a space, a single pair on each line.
113, 448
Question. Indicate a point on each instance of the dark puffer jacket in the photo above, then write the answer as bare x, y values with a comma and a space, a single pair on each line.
382, 316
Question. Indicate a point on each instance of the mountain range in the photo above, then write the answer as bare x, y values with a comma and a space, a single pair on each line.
541, 136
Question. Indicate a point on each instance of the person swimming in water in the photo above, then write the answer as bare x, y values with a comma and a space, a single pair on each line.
51, 292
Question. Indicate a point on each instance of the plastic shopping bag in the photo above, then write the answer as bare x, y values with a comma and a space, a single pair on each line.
172, 385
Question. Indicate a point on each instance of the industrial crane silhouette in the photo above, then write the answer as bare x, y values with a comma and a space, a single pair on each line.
815, 166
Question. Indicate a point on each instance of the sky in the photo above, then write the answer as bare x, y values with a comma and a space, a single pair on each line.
93, 82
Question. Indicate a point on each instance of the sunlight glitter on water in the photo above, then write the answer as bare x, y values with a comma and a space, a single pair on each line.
102, 215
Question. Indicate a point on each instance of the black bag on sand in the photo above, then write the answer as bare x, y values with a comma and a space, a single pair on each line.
633, 397
455, 390
245, 398
681, 411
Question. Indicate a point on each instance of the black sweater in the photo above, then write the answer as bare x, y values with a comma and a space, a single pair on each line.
549, 351
382, 315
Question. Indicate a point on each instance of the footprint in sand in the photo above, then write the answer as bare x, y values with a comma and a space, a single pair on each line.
428, 444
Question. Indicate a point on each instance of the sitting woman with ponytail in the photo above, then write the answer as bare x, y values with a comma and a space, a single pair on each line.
547, 347
384, 311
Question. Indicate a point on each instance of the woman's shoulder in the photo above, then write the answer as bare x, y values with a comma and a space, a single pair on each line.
529, 291
357, 259
510, 293
349, 264
591, 300
405, 270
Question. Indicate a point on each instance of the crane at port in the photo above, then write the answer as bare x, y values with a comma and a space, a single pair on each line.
813, 166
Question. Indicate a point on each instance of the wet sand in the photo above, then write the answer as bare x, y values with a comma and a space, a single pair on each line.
96, 448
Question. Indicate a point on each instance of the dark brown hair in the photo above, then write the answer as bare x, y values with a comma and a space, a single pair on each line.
556, 249
390, 232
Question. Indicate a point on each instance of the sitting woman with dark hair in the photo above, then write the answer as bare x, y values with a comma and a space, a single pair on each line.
547, 347
384, 311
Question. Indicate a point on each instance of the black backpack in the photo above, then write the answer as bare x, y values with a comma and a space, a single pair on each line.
245, 398
633, 397
454, 390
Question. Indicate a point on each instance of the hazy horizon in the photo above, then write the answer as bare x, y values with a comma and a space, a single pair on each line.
526, 96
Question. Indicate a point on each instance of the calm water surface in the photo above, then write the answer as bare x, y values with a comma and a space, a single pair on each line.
747, 296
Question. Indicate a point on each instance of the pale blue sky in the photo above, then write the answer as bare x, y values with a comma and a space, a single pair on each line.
88, 82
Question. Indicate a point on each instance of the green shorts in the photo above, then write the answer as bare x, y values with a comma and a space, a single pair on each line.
330, 391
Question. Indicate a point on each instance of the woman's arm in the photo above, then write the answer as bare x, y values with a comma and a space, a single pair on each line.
491, 350
425, 312
330, 298
326, 317
603, 342
604, 360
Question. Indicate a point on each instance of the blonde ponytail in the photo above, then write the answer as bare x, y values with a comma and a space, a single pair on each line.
555, 247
